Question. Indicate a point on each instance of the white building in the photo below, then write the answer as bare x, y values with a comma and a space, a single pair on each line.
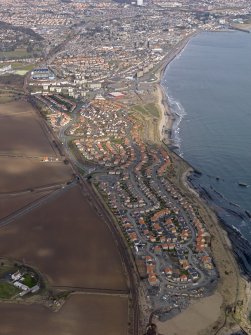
140, 2
6, 69
16, 276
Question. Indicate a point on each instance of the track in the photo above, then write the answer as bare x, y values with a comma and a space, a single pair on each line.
45, 188
31, 157
98, 291
38, 203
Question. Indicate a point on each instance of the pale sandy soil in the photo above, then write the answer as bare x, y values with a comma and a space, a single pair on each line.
163, 118
246, 26
166, 119
198, 316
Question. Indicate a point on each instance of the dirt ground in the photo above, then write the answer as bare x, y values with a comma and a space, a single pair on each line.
21, 130
10, 204
68, 242
64, 238
81, 315
198, 316
17, 174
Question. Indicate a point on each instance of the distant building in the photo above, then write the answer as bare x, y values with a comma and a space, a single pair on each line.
42, 74
5, 69
140, 2
16, 276
116, 95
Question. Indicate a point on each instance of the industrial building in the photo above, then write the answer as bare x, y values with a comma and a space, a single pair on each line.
42, 74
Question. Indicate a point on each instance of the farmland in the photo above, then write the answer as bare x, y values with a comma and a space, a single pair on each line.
80, 315
68, 242
22, 131
9, 204
18, 174
49, 222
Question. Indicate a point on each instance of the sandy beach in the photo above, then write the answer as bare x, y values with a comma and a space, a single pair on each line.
197, 317
167, 117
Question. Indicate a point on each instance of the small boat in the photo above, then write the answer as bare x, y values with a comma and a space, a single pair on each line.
243, 185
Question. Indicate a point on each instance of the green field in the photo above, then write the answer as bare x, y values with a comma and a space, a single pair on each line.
147, 110
29, 280
18, 53
7, 290
19, 67
21, 72
6, 98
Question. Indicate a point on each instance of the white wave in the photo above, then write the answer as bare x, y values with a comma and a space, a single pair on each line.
236, 229
179, 111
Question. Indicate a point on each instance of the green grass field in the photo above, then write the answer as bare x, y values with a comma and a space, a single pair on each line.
18, 53
18, 67
7, 290
6, 98
29, 280
147, 110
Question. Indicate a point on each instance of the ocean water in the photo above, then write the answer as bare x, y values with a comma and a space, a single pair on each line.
209, 89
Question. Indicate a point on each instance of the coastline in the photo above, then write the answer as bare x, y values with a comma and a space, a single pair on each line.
222, 246
167, 116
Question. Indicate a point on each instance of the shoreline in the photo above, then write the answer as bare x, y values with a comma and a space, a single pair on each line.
166, 123
240, 282
168, 117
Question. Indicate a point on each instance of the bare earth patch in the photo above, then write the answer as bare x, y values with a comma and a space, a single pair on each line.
197, 317
17, 174
22, 131
11, 203
68, 242
81, 315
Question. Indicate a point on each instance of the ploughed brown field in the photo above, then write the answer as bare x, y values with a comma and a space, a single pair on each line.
67, 241
12, 203
22, 131
81, 315
64, 238
17, 174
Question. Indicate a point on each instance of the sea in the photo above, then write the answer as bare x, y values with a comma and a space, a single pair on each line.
209, 91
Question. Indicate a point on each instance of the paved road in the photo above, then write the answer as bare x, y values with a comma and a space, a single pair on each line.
64, 139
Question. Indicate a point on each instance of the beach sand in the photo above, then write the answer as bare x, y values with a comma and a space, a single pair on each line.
198, 316
166, 117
